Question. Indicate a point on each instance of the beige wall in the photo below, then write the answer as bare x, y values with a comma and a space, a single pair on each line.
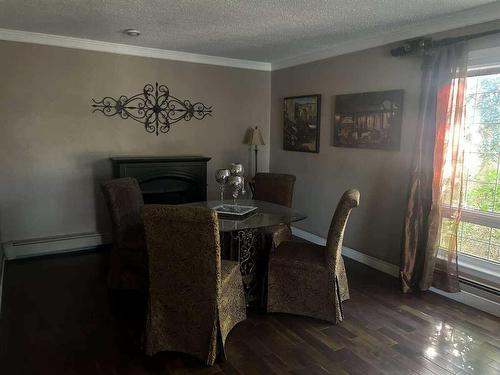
54, 152
376, 226
381, 176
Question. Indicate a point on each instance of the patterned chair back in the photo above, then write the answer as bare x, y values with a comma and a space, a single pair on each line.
275, 188
349, 200
184, 273
124, 200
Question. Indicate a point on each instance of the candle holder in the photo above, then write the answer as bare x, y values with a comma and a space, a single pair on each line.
236, 182
222, 177
234, 177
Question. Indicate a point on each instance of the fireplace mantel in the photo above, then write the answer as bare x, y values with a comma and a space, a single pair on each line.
166, 179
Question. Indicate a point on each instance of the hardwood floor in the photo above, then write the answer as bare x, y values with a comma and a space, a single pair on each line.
57, 319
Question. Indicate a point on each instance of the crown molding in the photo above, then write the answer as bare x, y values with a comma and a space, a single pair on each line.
452, 21
485, 13
126, 49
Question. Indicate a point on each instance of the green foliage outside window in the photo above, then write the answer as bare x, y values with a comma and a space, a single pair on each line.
481, 190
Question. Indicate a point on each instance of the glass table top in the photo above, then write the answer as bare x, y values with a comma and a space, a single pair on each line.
266, 215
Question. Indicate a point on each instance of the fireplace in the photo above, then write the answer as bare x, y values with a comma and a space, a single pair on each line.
166, 180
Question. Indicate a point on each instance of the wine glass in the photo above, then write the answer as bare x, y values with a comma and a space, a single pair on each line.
238, 170
222, 176
236, 182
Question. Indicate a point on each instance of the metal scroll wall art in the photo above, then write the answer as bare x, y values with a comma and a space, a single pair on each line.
154, 107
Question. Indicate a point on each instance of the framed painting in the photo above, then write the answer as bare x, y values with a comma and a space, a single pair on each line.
368, 120
301, 116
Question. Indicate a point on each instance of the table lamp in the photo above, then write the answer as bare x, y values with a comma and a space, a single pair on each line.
255, 139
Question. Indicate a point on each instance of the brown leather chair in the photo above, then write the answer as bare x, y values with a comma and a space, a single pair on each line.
308, 279
195, 299
128, 262
275, 188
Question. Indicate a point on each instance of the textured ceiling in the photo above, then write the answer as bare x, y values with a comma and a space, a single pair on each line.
260, 30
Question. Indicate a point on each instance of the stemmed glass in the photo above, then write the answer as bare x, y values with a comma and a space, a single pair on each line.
237, 170
236, 183
222, 178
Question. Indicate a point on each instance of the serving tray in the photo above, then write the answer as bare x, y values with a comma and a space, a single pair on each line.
232, 211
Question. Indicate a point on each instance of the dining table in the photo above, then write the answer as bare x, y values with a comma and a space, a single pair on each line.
242, 240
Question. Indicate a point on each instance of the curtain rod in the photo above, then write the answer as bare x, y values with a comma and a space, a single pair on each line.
423, 45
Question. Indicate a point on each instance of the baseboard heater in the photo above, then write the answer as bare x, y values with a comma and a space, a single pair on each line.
476, 284
53, 245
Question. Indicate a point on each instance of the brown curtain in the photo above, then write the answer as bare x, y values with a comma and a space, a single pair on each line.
429, 250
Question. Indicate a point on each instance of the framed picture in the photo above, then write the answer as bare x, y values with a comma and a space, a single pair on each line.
301, 116
368, 120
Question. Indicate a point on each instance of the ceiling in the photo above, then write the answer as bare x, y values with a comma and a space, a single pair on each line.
257, 30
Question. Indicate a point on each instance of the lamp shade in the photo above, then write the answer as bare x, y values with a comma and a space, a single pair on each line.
255, 137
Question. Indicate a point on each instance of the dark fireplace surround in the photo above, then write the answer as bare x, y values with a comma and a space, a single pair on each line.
166, 180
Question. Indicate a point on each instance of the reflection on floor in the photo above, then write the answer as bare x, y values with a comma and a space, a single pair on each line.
57, 319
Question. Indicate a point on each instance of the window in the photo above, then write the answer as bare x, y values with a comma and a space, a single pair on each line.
479, 229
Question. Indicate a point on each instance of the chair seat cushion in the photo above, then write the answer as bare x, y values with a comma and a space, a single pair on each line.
232, 306
274, 228
229, 269
299, 255
277, 234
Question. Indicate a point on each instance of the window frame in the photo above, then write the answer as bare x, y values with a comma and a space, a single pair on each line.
481, 62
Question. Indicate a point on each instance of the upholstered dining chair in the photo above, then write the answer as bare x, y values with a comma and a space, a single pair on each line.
275, 188
128, 261
195, 299
309, 279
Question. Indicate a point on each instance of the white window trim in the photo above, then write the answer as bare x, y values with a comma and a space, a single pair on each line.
469, 265
487, 59
475, 267
481, 61
488, 219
